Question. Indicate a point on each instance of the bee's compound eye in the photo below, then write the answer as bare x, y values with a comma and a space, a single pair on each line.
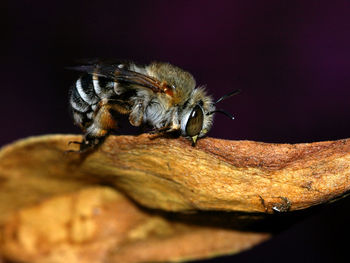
195, 122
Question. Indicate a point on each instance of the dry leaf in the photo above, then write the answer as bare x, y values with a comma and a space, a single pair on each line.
52, 211
101, 225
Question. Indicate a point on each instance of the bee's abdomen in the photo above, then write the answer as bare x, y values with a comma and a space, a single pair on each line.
85, 94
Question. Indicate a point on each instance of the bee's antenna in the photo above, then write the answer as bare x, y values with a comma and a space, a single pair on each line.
226, 96
223, 112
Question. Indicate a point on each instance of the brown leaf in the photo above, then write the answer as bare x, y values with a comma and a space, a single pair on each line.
47, 204
101, 225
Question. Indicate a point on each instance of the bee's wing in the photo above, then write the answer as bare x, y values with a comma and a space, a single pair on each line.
125, 76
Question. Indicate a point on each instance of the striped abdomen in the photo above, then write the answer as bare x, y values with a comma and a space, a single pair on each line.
87, 92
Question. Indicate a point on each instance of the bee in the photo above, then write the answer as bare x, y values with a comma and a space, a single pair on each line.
158, 95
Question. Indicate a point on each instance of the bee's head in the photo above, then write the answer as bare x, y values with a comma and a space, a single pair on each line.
198, 112
195, 118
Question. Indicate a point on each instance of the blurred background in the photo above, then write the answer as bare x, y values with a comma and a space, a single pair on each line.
290, 59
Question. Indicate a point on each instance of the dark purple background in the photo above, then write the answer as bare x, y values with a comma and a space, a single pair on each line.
291, 60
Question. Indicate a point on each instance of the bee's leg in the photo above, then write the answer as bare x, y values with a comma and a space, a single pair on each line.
85, 145
92, 141
173, 128
174, 125
136, 114
103, 123
159, 130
